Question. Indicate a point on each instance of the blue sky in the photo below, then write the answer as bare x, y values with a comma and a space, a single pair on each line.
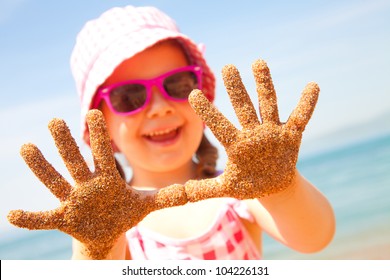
342, 45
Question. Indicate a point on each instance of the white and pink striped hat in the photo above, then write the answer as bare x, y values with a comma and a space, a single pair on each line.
117, 35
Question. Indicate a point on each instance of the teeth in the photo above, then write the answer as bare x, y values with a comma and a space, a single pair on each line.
160, 132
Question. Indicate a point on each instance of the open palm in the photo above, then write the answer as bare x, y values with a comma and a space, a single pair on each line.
100, 207
262, 155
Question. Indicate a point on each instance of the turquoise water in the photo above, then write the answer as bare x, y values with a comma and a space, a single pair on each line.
356, 179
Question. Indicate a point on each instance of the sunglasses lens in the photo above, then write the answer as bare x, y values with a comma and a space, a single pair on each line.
127, 98
180, 85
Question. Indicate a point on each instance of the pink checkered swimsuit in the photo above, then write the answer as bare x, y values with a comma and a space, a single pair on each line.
226, 239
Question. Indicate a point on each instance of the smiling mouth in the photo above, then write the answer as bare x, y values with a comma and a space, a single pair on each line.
163, 135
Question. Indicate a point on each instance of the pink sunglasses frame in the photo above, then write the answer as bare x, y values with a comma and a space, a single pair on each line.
104, 92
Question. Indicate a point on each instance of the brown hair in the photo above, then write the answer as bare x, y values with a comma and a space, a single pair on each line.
207, 156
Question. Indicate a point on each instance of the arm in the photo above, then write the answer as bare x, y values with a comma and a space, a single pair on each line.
300, 216
262, 159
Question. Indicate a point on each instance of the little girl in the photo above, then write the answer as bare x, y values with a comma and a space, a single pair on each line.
137, 68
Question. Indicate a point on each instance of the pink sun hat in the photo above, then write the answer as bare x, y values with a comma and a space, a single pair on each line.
118, 34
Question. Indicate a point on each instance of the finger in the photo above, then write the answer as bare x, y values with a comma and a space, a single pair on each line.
45, 172
301, 115
103, 155
69, 150
266, 92
239, 97
221, 127
35, 220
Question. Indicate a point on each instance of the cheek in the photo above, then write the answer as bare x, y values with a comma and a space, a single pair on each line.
195, 127
198, 128
118, 129
125, 135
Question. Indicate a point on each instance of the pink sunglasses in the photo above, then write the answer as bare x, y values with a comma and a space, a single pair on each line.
130, 97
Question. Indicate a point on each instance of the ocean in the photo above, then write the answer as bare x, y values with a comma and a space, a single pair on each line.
355, 178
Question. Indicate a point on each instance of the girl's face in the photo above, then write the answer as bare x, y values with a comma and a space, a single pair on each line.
165, 135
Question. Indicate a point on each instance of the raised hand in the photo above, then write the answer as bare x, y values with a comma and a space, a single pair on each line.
262, 156
100, 207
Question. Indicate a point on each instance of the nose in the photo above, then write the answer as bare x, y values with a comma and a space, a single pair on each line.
159, 106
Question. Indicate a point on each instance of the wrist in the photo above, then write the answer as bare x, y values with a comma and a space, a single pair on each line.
117, 252
287, 192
